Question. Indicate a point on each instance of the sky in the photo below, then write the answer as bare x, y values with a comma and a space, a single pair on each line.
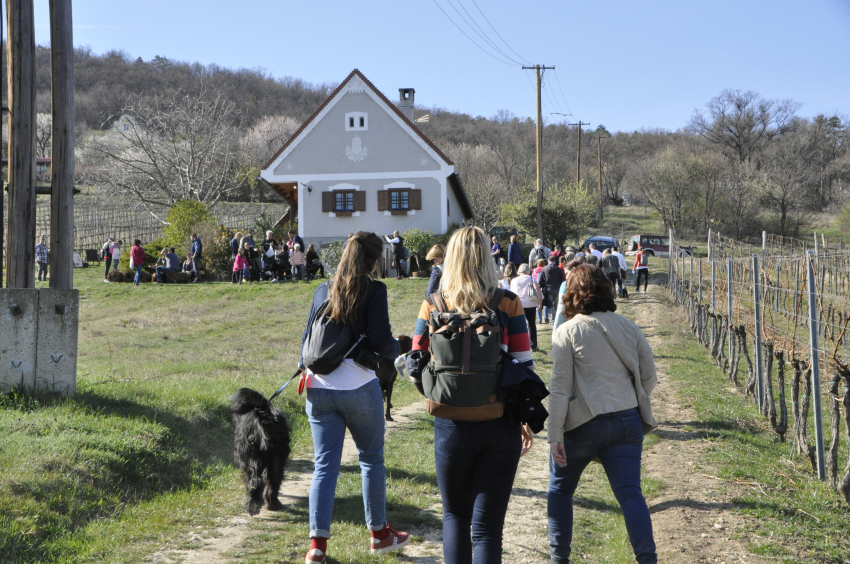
627, 64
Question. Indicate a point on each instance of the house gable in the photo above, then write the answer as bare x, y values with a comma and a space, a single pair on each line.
333, 141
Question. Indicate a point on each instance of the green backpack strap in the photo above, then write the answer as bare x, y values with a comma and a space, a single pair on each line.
497, 296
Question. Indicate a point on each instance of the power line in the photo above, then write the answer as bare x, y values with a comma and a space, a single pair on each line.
569, 111
483, 34
556, 104
468, 37
497, 33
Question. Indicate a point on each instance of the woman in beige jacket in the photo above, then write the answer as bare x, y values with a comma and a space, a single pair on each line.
602, 375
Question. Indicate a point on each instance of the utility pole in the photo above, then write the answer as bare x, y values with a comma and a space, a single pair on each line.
62, 169
20, 52
599, 161
539, 68
578, 154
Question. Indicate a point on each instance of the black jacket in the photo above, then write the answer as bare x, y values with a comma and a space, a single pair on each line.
523, 392
373, 315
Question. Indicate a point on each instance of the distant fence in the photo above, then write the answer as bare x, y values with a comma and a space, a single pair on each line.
97, 219
788, 303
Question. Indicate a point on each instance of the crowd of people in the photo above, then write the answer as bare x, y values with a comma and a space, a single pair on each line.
273, 259
602, 376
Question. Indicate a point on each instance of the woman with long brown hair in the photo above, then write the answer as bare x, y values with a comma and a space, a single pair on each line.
350, 396
602, 376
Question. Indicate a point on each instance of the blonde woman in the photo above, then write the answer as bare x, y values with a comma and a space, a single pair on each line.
436, 254
476, 461
234, 245
350, 397
510, 274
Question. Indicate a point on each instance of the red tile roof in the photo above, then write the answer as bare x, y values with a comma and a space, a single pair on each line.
380, 95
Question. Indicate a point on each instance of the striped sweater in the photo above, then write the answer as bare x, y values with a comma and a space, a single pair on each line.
511, 317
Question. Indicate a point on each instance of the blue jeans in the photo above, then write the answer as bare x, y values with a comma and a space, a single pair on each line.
160, 270
138, 274
115, 264
329, 413
617, 439
476, 465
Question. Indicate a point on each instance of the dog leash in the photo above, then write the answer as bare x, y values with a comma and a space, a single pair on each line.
279, 390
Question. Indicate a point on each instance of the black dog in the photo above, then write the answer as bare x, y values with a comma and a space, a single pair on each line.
261, 446
387, 374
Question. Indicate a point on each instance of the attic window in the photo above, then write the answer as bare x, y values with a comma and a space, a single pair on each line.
356, 121
126, 127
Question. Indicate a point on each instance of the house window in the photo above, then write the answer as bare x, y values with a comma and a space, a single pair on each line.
126, 127
344, 201
356, 121
400, 200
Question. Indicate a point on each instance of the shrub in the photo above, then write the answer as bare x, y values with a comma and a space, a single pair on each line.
152, 251
418, 242
184, 218
217, 255
331, 255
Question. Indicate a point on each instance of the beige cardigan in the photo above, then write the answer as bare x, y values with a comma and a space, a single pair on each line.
587, 377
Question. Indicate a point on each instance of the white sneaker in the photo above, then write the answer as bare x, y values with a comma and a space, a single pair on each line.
105, 280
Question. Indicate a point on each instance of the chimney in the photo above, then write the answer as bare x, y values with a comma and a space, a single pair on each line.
405, 102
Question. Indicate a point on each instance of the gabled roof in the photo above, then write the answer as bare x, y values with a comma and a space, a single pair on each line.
383, 98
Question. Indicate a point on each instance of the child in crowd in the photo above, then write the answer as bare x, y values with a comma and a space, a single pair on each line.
537, 268
296, 258
116, 253
240, 263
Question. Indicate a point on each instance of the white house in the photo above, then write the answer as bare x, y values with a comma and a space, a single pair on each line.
360, 164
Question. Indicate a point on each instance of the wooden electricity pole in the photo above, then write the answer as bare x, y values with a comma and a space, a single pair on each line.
539, 68
20, 56
599, 161
62, 169
578, 153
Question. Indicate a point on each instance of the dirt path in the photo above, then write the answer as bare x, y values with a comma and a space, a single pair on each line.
693, 519
211, 547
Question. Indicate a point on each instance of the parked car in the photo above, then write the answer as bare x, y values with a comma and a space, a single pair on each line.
654, 245
601, 242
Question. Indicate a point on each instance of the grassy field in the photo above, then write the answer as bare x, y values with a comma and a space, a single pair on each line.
141, 456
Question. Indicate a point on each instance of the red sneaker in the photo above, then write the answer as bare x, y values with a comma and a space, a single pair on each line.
394, 540
314, 556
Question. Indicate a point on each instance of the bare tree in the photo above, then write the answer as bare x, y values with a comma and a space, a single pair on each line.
43, 133
264, 139
169, 148
485, 189
513, 148
791, 183
742, 123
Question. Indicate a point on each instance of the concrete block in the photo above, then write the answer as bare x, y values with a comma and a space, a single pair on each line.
18, 337
56, 355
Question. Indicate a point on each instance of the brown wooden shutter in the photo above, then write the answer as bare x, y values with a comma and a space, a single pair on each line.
383, 200
360, 200
416, 199
327, 201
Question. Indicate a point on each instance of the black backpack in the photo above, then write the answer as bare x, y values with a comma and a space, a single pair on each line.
327, 343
